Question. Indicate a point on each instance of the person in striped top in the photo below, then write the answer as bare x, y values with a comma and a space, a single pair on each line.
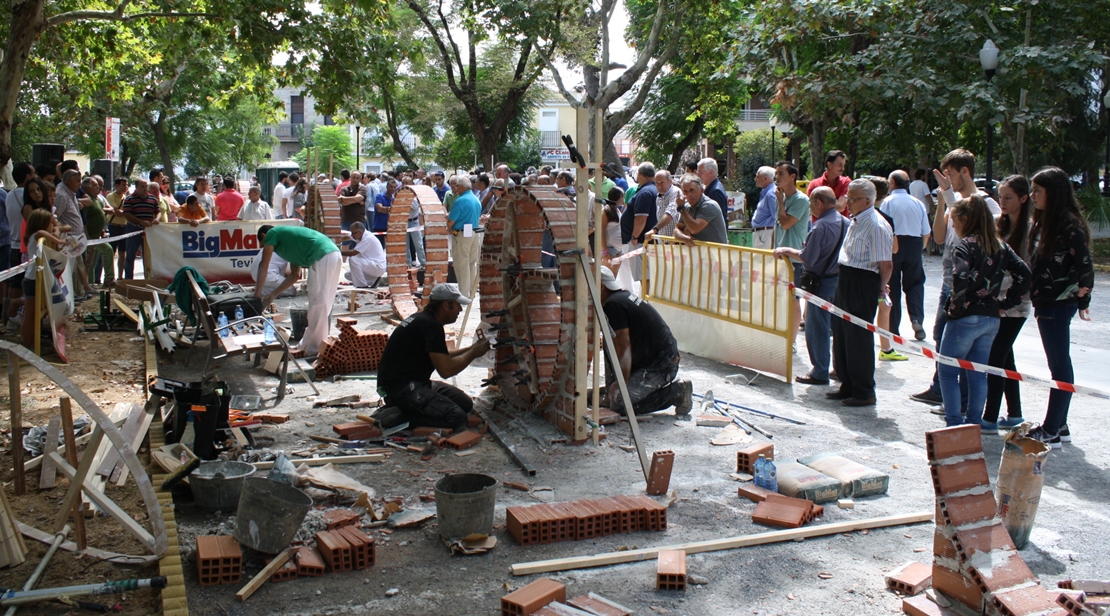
141, 210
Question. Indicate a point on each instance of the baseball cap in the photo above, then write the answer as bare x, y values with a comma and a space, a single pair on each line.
609, 280
614, 170
448, 292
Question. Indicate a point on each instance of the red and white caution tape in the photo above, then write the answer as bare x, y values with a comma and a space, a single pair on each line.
951, 361
116, 238
22, 267
635, 253
14, 271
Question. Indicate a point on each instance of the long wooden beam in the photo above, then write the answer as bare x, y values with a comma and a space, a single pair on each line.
713, 545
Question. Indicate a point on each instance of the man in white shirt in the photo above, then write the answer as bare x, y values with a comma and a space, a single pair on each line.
278, 197
255, 208
911, 223
920, 190
287, 197
366, 260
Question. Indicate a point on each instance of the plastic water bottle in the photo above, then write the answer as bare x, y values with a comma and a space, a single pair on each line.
759, 471
269, 335
222, 322
238, 313
770, 476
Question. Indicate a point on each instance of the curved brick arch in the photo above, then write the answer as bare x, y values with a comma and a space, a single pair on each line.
435, 246
511, 279
322, 211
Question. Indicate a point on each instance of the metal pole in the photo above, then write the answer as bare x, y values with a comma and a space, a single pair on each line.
772, 144
990, 158
31, 581
358, 148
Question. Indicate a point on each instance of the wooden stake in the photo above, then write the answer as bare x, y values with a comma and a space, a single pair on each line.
581, 301
370, 457
599, 249
713, 545
260, 579
46, 476
71, 455
17, 420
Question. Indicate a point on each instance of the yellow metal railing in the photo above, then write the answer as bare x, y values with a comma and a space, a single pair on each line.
741, 285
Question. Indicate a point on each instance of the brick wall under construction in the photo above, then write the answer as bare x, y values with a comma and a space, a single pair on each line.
435, 247
537, 374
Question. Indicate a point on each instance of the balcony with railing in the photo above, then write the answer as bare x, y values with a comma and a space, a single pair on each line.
285, 132
550, 139
755, 115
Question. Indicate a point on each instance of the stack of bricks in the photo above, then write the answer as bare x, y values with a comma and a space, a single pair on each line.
785, 511
975, 562
510, 268
219, 560
356, 430
346, 548
405, 303
325, 211
584, 519
351, 351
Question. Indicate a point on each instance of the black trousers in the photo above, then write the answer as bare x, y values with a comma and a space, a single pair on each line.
651, 388
857, 292
1002, 356
432, 404
908, 275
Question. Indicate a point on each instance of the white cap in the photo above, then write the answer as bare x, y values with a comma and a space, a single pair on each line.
448, 291
609, 280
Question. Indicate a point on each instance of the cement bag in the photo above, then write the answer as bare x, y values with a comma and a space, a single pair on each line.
801, 481
1020, 479
858, 479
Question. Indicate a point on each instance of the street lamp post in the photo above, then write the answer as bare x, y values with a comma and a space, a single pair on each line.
774, 124
988, 58
1106, 172
358, 146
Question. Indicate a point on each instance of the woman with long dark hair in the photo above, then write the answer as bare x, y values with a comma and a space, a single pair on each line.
1013, 228
979, 262
612, 215
1063, 277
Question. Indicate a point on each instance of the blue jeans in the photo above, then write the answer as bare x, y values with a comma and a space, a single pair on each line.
1054, 323
968, 338
817, 331
134, 243
938, 335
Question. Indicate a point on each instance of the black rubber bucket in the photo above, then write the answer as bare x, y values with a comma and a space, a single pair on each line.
464, 505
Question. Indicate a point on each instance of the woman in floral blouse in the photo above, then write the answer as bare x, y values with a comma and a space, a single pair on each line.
979, 263
1063, 277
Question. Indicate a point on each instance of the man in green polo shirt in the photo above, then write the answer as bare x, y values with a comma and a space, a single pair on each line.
303, 247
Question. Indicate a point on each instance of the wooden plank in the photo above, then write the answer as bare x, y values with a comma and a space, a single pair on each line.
713, 545
14, 551
53, 431
120, 474
370, 457
120, 411
66, 415
105, 503
16, 400
260, 579
130, 428
72, 503
125, 309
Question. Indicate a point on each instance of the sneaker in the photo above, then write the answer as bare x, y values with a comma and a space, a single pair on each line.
988, 428
892, 355
686, 400
1039, 434
1065, 434
928, 397
918, 331
1009, 423
937, 410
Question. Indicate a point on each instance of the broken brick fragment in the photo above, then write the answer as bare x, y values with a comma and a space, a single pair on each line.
465, 440
529, 599
336, 518
910, 579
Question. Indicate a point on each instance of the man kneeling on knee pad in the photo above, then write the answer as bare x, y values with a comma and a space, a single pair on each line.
647, 354
416, 348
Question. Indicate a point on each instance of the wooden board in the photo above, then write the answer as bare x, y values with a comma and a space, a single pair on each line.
713, 545
119, 475
260, 579
370, 457
16, 404
53, 431
125, 309
130, 428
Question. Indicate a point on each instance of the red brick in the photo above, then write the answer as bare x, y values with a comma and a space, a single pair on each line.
362, 547
335, 550
659, 477
954, 441
983, 539
922, 606
427, 431
745, 458
532, 597
219, 560
1073, 602
465, 440
336, 518
910, 579
309, 562
944, 547
1004, 572
271, 418
957, 587
775, 513
286, 572
1024, 601
520, 522
754, 493
960, 510
670, 571
952, 478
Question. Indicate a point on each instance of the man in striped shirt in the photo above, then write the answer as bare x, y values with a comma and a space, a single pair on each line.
141, 211
865, 267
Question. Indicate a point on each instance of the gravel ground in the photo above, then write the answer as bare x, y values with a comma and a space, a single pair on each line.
772, 579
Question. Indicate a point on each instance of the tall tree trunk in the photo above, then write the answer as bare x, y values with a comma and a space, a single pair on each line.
680, 147
158, 127
27, 24
816, 138
853, 145
394, 131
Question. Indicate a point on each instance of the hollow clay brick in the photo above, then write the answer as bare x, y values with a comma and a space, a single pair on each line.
944, 547
659, 476
336, 518
335, 550
362, 547
1025, 601
219, 560
1073, 603
529, 599
910, 579
465, 440
922, 606
955, 441
952, 478
957, 587
598, 605
983, 539
960, 510
671, 570
754, 493
309, 562
287, 572
428, 431
784, 515
1004, 570
745, 458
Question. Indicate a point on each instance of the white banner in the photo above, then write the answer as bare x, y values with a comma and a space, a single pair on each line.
218, 250
111, 139
57, 275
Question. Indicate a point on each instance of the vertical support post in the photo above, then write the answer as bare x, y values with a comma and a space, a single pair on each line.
581, 340
331, 166
17, 419
71, 456
599, 249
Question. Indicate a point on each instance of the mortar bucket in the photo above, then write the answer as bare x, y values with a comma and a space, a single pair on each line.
217, 485
464, 505
269, 514
298, 318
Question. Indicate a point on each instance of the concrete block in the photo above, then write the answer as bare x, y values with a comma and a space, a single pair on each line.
910, 579
529, 599
219, 560
659, 476
671, 570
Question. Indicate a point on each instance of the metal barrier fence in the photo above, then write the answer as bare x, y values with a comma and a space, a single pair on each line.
736, 286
